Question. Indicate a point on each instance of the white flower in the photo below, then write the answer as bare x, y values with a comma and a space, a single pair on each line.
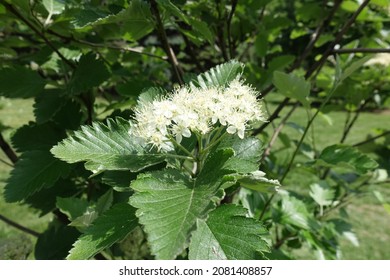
196, 110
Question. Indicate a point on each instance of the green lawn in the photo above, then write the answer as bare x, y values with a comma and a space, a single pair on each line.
371, 222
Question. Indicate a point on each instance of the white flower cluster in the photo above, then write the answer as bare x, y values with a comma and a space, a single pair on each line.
196, 110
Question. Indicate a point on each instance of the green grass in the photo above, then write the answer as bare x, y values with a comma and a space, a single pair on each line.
370, 221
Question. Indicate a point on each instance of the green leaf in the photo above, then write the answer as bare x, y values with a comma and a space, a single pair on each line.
135, 21
20, 82
72, 207
292, 86
104, 202
247, 153
294, 212
54, 7
353, 67
55, 242
228, 234
119, 180
47, 105
322, 193
169, 203
113, 226
90, 72
33, 171
219, 76
174, 10
346, 156
256, 181
106, 147
36, 137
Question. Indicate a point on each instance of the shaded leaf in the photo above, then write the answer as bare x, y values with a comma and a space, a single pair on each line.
169, 203
90, 72
292, 86
106, 147
113, 226
257, 181
20, 82
228, 234
346, 156
72, 207
33, 171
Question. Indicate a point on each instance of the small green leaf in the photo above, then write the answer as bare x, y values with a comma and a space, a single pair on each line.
90, 72
106, 147
322, 193
228, 234
36, 137
55, 242
113, 226
54, 7
72, 207
104, 202
348, 157
293, 87
256, 181
47, 105
220, 76
33, 171
169, 203
20, 82
353, 67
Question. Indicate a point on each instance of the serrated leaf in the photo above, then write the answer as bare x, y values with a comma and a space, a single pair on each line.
257, 181
33, 171
20, 82
106, 147
47, 104
55, 242
247, 153
36, 137
113, 226
220, 75
294, 212
72, 207
169, 203
135, 20
346, 156
104, 202
228, 234
292, 86
53, 7
321, 193
90, 72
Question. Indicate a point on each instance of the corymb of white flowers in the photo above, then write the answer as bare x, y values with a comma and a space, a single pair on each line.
209, 114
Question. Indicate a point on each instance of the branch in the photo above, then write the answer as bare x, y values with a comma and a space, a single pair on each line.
8, 150
20, 227
371, 139
14, 11
178, 72
360, 50
228, 30
317, 66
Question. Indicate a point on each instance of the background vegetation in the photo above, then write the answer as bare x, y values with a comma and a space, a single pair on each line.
69, 63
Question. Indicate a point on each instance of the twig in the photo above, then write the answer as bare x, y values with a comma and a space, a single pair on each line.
317, 66
360, 50
228, 29
277, 131
6, 163
371, 139
178, 72
220, 33
18, 226
8, 150
14, 11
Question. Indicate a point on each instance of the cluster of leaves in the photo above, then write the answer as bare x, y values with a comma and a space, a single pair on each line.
86, 64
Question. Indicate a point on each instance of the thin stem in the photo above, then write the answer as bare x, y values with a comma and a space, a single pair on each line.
371, 139
228, 29
18, 226
14, 11
8, 150
178, 72
181, 147
6, 163
277, 131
